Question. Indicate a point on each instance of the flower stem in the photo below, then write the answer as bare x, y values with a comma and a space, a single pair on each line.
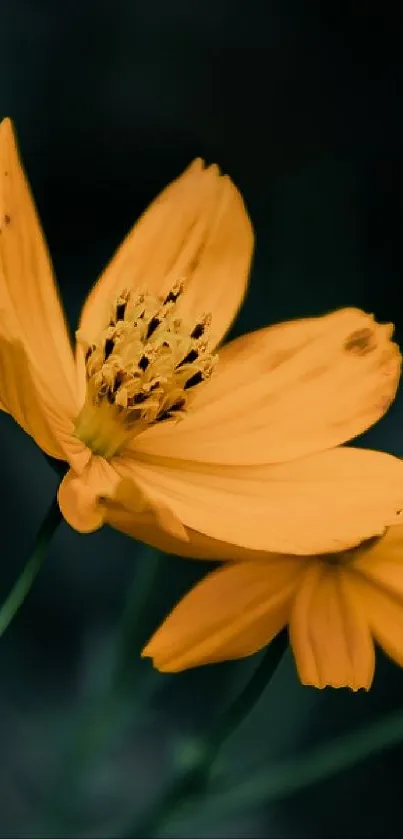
132, 621
192, 781
25, 581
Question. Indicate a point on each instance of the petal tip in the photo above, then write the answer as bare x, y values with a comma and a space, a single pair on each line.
148, 653
6, 127
197, 166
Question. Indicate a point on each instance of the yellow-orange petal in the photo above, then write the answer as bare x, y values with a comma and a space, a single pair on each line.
329, 632
146, 527
137, 513
379, 582
384, 612
231, 613
29, 400
30, 405
81, 497
326, 502
100, 495
287, 391
197, 229
27, 289
382, 562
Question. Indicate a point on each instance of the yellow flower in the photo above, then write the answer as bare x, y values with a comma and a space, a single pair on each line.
335, 605
163, 439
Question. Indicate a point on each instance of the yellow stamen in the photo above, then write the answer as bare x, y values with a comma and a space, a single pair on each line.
142, 370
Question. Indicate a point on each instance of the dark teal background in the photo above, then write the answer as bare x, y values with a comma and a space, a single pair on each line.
301, 105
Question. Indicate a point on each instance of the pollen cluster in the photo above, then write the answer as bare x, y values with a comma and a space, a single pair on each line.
142, 370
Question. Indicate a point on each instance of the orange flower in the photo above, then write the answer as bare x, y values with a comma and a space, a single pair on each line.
162, 441
335, 605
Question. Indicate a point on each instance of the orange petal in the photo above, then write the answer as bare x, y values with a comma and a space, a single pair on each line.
187, 543
231, 613
384, 609
287, 391
28, 400
326, 502
27, 290
329, 632
197, 229
379, 582
140, 513
382, 561
99, 495
80, 496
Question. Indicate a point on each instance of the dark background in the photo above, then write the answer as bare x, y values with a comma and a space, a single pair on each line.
302, 106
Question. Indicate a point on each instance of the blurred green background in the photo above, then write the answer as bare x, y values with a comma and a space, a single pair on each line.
301, 105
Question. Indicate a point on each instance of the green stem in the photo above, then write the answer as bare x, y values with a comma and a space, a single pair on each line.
134, 614
25, 581
192, 781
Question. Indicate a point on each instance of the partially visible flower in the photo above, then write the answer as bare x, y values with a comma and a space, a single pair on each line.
164, 439
335, 605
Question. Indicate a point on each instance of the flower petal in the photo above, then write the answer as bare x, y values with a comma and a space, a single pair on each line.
20, 398
194, 545
141, 513
27, 289
328, 630
198, 229
287, 391
27, 399
231, 613
80, 496
99, 495
326, 502
382, 562
379, 582
384, 610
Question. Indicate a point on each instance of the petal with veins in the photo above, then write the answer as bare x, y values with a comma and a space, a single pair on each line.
144, 513
379, 582
195, 545
29, 401
198, 229
27, 289
384, 610
327, 502
329, 632
231, 613
382, 561
287, 391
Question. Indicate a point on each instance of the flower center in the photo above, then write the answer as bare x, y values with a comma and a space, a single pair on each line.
142, 370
